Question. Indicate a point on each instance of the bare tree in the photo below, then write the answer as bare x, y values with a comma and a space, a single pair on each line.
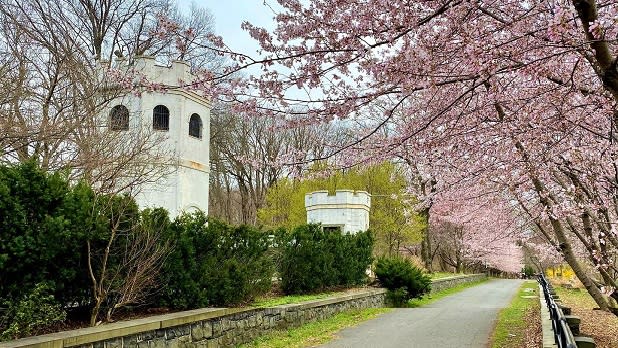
124, 261
248, 156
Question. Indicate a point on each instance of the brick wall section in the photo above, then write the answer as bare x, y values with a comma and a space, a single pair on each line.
214, 327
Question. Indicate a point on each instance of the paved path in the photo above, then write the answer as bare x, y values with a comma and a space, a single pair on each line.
465, 319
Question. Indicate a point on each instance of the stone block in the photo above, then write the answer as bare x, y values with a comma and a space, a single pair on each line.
130, 341
158, 343
227, 339
585, 342
259, 319
573, 322
226, 324
159, 333
207, 329
197, 332
565, 310
183, 341
216, 328
213, 343
177, 331
200, 344
251, 321
114, 343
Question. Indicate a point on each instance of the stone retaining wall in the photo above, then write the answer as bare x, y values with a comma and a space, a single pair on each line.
215, 327
211, 327
445, 283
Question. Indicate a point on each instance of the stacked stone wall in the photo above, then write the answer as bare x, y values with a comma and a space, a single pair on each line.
211, 328
446, 283
216, 327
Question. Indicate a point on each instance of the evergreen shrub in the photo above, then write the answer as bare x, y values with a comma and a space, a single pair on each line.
312, 259
214, 264
42, 234
37, 310
403, 280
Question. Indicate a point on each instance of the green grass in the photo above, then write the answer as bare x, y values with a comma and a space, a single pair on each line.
576, 296
510, 331
315, 333
438, 295
277, 301
439, 275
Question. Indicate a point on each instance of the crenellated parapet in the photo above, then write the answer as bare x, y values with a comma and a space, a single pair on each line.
358, 199
178, 72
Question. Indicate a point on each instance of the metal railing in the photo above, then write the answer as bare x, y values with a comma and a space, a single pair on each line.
562, 332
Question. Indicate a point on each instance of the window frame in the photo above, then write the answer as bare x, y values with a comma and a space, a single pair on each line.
200, 126
161, 118
119, 118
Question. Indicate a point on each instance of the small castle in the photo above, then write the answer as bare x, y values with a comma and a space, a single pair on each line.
182, 120
346, 210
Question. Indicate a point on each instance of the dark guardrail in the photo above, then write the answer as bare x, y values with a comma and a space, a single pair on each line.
562, 333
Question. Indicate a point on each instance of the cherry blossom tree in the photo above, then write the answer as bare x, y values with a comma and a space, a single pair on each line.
515, 97
474, 228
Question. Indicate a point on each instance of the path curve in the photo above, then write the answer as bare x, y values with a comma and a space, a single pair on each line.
465, 319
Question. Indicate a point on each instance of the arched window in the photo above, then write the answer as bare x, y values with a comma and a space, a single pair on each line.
119, 118
195, 126
161, 118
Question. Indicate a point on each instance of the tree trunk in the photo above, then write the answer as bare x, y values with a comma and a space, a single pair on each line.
95, 313
426, 242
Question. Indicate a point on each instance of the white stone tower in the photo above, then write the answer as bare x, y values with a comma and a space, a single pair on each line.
181, 121
347, 210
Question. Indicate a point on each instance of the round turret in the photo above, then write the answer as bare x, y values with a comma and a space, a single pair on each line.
346, 210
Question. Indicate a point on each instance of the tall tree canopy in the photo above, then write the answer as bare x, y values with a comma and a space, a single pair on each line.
512, 97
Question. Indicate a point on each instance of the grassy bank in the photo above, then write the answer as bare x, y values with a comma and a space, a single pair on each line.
519, 324
440, 275
315, 333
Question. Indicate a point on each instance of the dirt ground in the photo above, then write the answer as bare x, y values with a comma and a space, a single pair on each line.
600, 325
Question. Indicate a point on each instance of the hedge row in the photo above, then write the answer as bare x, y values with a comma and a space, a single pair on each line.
52, 233
214, 264
313, 259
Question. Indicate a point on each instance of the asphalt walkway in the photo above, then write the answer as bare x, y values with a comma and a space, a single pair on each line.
465, 319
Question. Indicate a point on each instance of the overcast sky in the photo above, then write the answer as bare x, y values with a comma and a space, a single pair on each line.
229, 15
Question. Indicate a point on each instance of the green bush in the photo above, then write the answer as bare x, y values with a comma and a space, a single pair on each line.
528, 271
214, 264
403, 280
312, 259
36, 311
42, 238
45, 226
